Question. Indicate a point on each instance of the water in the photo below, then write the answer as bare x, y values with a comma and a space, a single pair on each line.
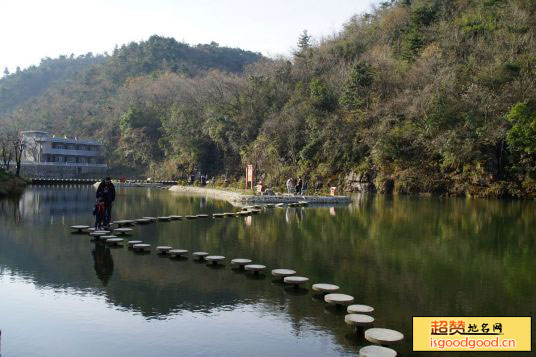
62, 295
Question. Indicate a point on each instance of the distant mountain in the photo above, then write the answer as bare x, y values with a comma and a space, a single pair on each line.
157, 54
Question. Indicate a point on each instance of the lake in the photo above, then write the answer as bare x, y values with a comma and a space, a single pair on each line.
63, 295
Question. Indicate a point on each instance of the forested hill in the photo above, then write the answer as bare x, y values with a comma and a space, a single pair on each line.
158, 54
416, 96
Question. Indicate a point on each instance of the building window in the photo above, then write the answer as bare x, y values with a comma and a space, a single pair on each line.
60, 158
71, 147
82, 147
82, 160
71, 158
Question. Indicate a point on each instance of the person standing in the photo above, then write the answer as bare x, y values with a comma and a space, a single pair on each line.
299, 186
106, 191
290, 185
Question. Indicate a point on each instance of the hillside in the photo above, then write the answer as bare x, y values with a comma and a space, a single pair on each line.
418, 96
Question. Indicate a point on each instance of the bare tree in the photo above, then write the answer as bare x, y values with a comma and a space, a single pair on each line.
6, 154
18, 149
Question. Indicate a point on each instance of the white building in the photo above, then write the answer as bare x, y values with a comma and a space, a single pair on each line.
51, 156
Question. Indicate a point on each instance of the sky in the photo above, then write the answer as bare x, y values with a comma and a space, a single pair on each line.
33, 29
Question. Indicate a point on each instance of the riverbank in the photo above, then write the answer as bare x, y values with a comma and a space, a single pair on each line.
240, 198
11, 185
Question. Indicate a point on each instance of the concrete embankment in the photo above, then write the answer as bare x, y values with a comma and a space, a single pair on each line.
239, 198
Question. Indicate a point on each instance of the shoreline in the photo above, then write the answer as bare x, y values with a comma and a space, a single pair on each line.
11, 186
240, 198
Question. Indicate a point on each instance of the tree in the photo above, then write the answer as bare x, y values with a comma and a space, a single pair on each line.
6, 71
6, 153
304, 42
18, 149
521, 138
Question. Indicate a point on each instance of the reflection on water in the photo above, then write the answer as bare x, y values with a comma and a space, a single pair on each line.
404, 256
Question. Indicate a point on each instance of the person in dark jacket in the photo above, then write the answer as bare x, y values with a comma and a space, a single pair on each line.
100, 213
106, 191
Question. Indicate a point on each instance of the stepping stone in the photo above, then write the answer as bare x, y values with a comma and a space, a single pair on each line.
164, 219
269, 205
175, 218
91, 230
163, 249
97, 234
143, 221
229, 214
280, 205
255, 268
142, 247
191, 217
240, 262
383, 336
151, 219
359, 309
79, 229
244, 213
177, 252
282, 273
202, 216
376, 351
338, 299
358, 320
200, 255
132, 242
105, 237
218, 215
214, 259
295, 280
122, 230
102, 231
255, 211
114, 241
125, 222
325, 288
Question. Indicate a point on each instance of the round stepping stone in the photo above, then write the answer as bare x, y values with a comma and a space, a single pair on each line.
142, 247
143, 221
202, 215
97, 234
240, 262
214, 259
383, 336
255, 211
191, 217
132, 242
102, 231
177, 252
122, 230
359, 309
163, 219
295, 280
376, 351
244, 213
114, 241
325, 288
255, 268
79, 229
151, 219
200, 255
163, 249
338, 299
175, 218
91, 230
105, 237
218, 215
282, 273
229, 214
358, 320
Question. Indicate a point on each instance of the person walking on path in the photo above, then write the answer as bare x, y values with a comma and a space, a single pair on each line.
106, 191
290, 185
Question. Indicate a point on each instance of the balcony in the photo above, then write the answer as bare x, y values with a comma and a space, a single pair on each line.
66, 152
83, 164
